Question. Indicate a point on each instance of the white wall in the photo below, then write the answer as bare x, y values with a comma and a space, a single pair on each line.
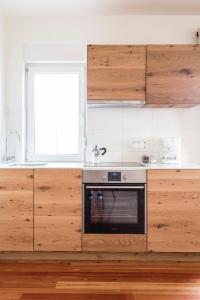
123, 124
116, 129
2, 84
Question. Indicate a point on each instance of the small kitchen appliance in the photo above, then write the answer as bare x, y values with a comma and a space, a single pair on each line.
97, 152
170, 150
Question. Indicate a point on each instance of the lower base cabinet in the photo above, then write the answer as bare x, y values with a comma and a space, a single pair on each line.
114, 243
174, 210
57, 209
41, 210
16, 210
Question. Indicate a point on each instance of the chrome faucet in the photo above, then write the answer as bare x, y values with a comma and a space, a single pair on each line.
12, 132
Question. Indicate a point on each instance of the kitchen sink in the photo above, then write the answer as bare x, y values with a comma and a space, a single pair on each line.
27, 164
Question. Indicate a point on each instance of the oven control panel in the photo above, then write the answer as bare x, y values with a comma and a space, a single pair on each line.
114, 176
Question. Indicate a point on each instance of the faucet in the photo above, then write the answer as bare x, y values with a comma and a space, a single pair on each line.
12, 132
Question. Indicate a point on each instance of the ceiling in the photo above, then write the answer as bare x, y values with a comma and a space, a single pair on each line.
98, 7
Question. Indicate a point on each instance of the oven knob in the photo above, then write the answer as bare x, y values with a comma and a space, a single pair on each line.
103, 178
125, 177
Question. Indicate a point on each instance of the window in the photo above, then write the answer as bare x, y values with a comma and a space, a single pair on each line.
55, 112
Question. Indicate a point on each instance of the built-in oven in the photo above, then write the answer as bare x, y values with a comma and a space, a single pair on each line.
114, 201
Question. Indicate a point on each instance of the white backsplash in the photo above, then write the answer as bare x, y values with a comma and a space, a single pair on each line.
118, 129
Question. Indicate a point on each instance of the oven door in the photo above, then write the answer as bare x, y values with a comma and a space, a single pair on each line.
114, 208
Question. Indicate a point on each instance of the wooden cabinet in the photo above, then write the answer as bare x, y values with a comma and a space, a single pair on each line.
173, 75
174, 210
161, 75
16, 210
54, 196
114, 242
57, 209
116, 72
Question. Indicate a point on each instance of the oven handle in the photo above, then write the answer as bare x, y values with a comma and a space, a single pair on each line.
135, 187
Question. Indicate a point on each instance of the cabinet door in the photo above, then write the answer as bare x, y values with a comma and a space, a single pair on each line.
116, 72
173, 75
16, 210
57, 209
174, 210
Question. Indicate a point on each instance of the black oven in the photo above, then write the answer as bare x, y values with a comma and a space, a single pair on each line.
115, 202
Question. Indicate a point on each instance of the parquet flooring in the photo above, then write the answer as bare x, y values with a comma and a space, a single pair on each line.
100, 280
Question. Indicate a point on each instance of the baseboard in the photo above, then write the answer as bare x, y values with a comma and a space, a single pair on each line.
99, 256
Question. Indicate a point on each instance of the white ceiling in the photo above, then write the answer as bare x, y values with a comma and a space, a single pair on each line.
96, 7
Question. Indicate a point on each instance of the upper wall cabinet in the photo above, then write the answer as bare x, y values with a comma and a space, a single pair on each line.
116, 72
173, 75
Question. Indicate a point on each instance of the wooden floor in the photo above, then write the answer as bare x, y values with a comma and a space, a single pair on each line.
104, 280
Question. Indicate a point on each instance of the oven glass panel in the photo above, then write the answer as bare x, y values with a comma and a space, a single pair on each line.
114, 207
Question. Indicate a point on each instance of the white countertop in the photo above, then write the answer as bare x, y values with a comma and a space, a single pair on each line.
147, 167
72, 165
186, 166
56, 165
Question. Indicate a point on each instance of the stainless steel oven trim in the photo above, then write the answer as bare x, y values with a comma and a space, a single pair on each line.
101, 176
134, 187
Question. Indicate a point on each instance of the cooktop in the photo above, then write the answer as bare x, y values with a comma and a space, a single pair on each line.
114, 164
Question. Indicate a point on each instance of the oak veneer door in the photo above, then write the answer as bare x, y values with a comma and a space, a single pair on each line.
174, 210
173, 75
16, 210
57, 209
116, 72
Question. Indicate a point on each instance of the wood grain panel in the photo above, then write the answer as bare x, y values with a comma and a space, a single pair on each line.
101, 256
109, 296
114, 242
116, 72
126, 287
173, 75
57, 208
97, 280
174, 210
16, 210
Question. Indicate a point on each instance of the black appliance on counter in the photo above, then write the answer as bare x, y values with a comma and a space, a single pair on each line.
114, 201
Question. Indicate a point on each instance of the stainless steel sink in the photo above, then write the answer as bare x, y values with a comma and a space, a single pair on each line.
27, 164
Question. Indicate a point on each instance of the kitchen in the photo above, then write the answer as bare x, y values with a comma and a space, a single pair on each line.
111, 178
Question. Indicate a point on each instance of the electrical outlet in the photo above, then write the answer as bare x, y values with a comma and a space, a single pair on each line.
141, 144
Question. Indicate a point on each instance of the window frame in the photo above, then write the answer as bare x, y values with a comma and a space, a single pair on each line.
31, 69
